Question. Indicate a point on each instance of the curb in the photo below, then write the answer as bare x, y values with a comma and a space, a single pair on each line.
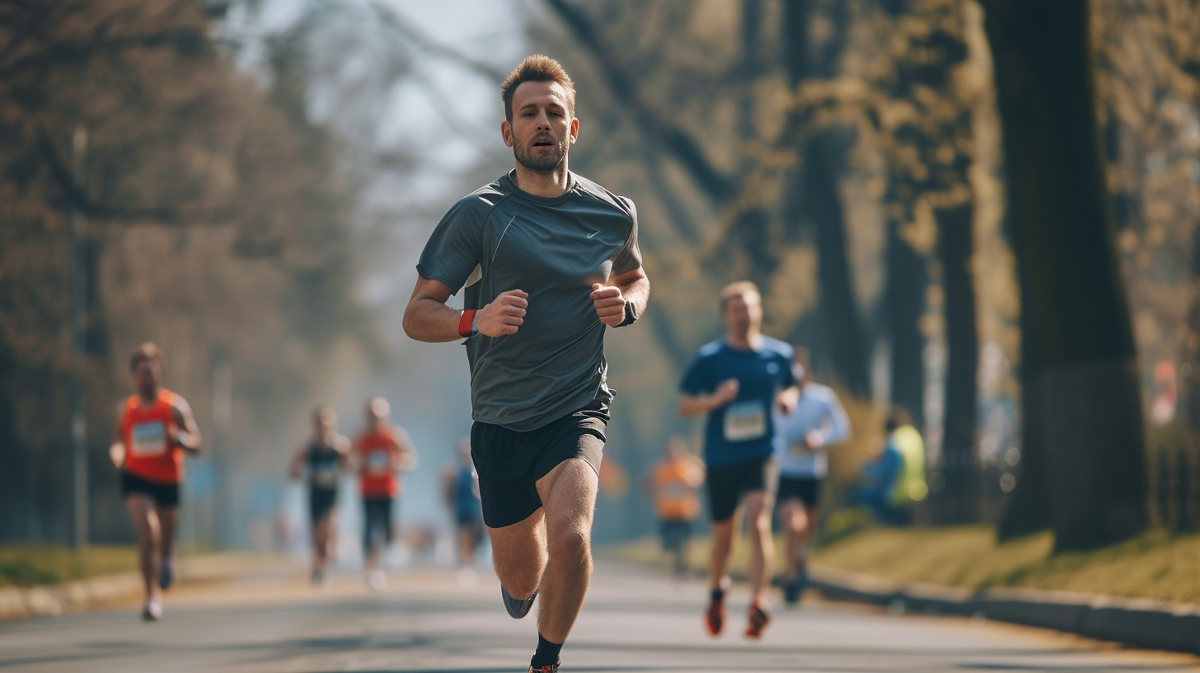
53, 600
1137, 622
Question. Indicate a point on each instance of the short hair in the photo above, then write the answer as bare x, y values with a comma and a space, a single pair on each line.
378, 407
737, 289
536, 68
146, 352
323, 411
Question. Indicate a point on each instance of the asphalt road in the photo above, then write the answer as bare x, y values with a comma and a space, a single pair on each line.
634, 620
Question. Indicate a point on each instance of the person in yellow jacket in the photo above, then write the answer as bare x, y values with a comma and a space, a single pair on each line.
896, 479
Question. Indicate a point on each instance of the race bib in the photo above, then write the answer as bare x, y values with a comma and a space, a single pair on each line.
745, 421
149, 439
379, 461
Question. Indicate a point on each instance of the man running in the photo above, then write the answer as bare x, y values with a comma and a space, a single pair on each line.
738, 381
460, 490
674, 483
549, 260
154, 428
379, 453
817, 421
323, 460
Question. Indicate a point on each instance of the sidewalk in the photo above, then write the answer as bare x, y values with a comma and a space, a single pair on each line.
22, 602
1140, 623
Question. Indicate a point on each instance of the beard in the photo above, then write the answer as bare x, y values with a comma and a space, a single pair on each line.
543, 163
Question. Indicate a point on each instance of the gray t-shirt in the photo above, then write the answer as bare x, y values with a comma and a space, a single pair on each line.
500, 238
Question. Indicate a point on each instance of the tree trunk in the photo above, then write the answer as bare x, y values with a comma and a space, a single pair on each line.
904, 303
960, 460
818, 182
1080, 386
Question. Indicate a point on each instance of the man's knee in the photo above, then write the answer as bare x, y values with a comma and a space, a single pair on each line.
569, 542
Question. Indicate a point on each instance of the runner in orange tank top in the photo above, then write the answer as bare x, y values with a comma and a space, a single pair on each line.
675, 484
154, 428
379, 452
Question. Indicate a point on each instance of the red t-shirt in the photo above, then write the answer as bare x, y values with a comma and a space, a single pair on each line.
377, 477
144, 430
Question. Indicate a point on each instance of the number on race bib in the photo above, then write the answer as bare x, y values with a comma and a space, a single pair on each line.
745, 421
149, 439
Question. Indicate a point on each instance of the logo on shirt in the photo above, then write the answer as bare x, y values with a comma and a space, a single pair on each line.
592, 234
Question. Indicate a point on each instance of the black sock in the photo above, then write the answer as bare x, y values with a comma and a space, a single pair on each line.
546, 654
718, 594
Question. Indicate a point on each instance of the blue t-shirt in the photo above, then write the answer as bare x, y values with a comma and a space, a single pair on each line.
743, 429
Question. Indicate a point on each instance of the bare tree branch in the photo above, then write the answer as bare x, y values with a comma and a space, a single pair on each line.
394, 20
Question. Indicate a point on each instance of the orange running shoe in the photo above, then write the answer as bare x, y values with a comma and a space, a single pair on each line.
759, 618
544, 669
714, 617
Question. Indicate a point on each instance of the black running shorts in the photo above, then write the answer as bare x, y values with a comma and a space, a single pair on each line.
163, 495
377, 522
510, 463
727, 484
321, 502
805, 489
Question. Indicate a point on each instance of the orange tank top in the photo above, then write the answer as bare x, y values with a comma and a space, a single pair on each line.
145, 431
674, 497
377, 479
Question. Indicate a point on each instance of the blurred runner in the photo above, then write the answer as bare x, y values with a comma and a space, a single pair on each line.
549, 260
817, 421
674, 483
895, 481
154, 428
460, 488
380, 452
738, 381
322, 461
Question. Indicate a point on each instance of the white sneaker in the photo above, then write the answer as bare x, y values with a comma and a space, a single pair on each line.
152, 610
376, 579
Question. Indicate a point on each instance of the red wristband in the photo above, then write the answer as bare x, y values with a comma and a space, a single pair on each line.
464, 323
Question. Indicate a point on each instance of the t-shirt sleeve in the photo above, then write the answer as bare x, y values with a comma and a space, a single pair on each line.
697, 377
629, 257
452, 252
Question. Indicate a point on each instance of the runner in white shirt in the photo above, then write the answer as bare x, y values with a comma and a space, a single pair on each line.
816, 422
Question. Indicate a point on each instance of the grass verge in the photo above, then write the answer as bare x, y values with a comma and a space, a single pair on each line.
25, 565
1156, 565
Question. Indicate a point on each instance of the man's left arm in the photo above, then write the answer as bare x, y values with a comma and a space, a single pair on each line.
404, 454
839, 429
623, 299
187, 436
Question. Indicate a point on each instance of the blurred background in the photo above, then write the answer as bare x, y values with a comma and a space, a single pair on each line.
248, 183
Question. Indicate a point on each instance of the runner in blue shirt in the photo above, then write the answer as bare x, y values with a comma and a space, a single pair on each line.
738, 382
817, 422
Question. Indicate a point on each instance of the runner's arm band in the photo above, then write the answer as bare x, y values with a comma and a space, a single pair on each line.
631, 315
466, 324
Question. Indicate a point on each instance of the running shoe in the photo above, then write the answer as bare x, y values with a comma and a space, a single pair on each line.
758, 619
793, 589
517, 608
545, 669
376, 579
714, 617
318, 577
152, 609
166, 573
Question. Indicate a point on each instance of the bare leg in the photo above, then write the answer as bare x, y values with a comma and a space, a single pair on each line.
762, 546
722, 544
322, 539
168, 521
145, 522
795, 526
569, 496
519, 554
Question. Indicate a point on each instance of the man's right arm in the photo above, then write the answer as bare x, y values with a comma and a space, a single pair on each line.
696, 405
116, 449
428, 319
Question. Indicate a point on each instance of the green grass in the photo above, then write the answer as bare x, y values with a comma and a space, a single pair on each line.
25, 565
1156, 565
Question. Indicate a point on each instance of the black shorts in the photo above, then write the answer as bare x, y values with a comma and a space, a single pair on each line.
805, 489
377, 522
163, 495
675, 533
510, 463
321, 502
728, 483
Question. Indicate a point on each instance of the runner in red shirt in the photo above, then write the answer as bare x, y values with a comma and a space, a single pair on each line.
379, 453
154, 428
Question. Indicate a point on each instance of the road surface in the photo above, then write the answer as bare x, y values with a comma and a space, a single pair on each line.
633, 621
